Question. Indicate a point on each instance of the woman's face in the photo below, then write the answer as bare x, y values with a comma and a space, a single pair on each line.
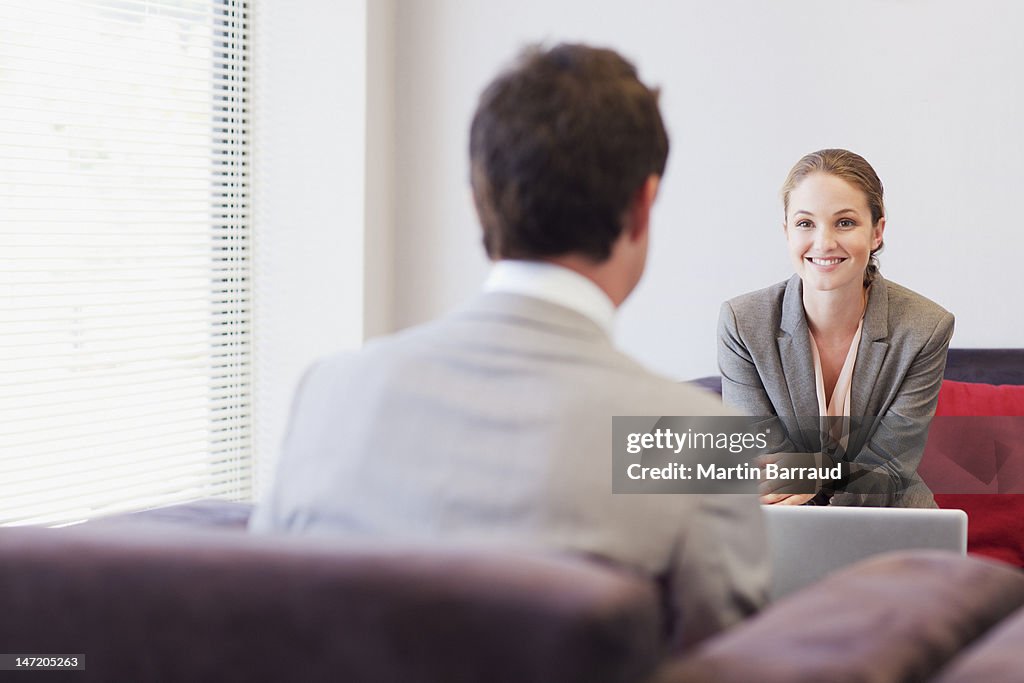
828, 228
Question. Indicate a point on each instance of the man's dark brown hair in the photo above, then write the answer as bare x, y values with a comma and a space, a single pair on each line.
560, 144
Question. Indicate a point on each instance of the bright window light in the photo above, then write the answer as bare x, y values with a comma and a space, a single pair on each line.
124, 256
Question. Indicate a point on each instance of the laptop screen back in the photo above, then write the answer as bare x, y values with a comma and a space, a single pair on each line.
808, 542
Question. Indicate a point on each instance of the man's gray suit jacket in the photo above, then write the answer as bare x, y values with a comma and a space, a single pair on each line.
767, 367
493, 426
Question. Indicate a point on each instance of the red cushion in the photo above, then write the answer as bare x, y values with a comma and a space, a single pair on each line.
968, 398
996, 521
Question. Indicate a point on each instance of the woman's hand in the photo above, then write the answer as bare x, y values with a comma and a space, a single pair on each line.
786, 491
786, 498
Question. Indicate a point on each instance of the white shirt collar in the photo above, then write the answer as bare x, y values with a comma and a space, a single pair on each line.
556, 285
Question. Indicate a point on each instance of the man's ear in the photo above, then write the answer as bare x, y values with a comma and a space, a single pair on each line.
640, 208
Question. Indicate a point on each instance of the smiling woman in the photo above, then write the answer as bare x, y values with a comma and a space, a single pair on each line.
839, 342
832, 236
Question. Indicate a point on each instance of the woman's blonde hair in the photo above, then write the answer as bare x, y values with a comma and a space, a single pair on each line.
854, 169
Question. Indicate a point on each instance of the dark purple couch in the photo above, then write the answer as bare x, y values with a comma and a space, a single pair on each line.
184, 594
150, 601
970, 464
985, 366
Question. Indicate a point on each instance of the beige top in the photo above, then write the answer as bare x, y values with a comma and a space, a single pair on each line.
838, 405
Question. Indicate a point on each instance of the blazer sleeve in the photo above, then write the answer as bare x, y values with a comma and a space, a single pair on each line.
891, 455
742, 387
721, 572
272, 513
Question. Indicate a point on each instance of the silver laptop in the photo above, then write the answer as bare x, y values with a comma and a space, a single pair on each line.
809, 542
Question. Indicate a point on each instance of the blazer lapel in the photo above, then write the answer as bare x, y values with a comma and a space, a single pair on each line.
794, 342
874, 346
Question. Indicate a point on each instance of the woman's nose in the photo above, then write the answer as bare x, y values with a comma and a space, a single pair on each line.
824, 239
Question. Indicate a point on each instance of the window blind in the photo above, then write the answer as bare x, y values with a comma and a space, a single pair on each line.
124, 256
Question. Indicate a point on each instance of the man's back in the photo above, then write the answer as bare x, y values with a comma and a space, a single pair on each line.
493, 425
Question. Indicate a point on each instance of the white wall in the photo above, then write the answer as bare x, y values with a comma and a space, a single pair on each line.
309, 186
929, 91
379, 243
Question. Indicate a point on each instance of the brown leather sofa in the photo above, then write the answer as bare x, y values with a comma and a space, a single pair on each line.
183, 594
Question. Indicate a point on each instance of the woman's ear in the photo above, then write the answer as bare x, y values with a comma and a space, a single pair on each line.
876, 235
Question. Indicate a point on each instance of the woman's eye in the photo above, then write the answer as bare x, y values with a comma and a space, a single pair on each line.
803, 224
847, 223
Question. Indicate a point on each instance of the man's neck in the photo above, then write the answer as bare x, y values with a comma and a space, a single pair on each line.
556, 284
599, 273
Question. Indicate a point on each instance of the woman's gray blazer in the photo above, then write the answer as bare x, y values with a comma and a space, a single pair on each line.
764, 356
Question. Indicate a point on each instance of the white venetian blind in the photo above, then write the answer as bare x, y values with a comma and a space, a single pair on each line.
124, 256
